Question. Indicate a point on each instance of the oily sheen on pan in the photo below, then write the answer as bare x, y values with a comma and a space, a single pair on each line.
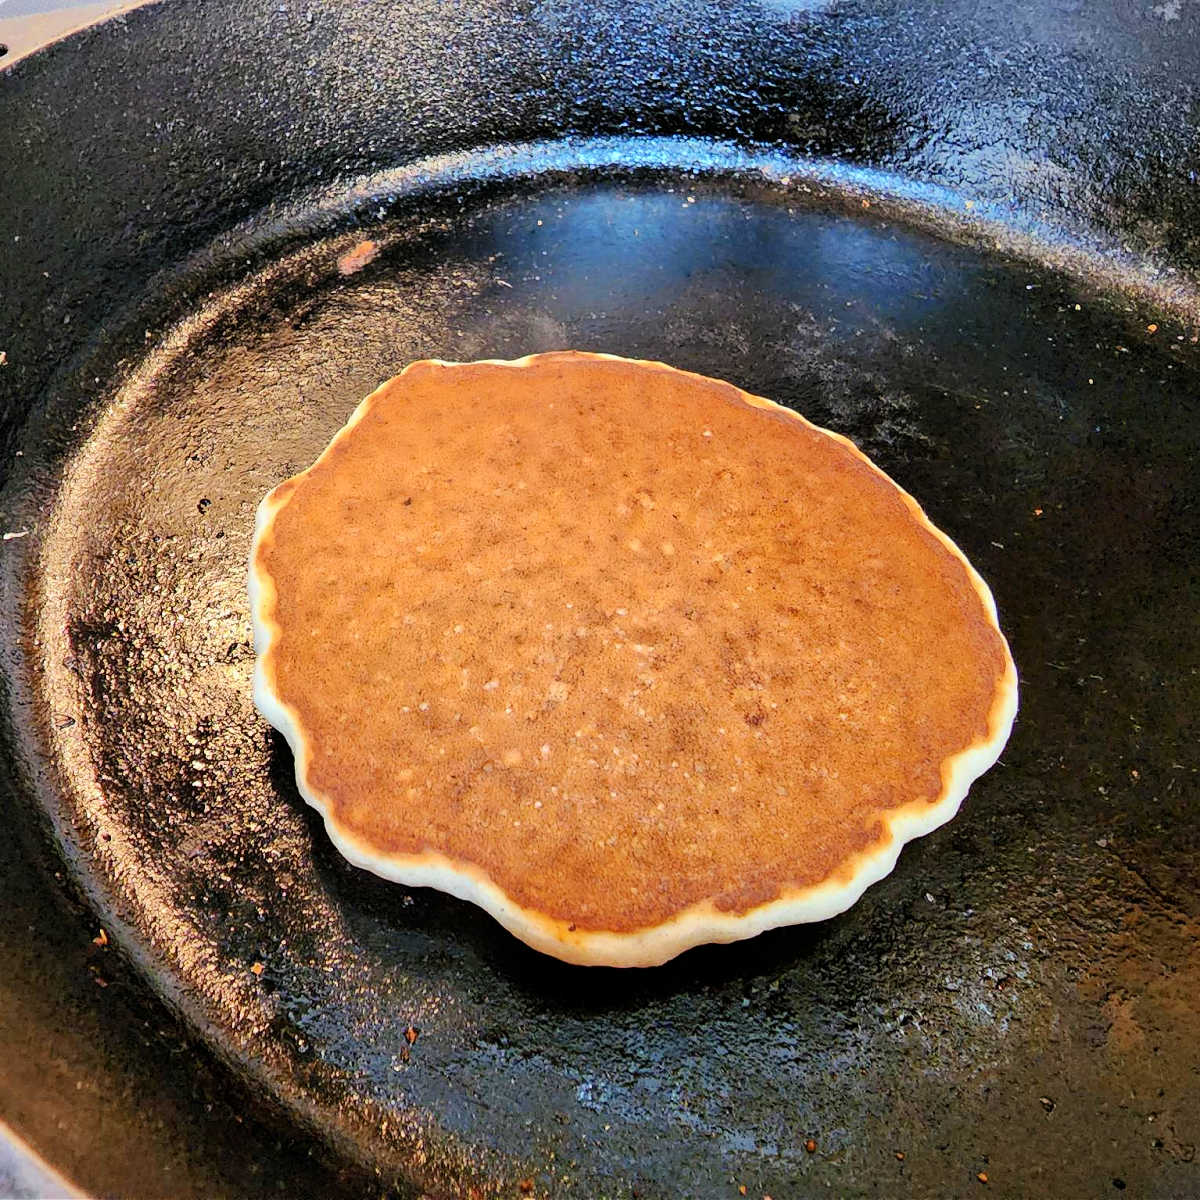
630, 658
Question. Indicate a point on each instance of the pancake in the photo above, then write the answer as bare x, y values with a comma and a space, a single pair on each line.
630, 658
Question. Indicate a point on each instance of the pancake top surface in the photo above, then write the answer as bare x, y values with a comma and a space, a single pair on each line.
620, 641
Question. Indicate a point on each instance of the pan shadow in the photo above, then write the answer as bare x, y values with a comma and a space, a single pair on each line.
396, 925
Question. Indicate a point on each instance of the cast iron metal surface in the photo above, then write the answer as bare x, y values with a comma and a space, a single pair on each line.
970, 245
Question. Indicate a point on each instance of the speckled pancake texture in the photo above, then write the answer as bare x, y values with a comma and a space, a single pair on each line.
627, 656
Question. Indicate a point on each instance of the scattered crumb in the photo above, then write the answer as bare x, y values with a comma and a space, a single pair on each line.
1152, 328
742, 1190
982, 1177
810, 1146
1046, 1103
411, 1034
526, 1185
3, 358
358, 257
1037, 512
257, 968
19, 533
101, 939
899, 1155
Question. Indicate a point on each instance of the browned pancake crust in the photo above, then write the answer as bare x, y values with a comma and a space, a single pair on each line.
618, 637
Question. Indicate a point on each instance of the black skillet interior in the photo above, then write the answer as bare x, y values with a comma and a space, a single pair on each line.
965, 240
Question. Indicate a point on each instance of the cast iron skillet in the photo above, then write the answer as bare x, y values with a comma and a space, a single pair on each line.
967, 238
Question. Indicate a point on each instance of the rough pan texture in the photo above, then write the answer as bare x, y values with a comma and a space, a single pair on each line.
630, 658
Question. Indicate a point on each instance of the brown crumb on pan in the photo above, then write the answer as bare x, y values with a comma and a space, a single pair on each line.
982, 1177
810, 1146
101, 939
526, 1186
357, 257
411, 1034
257, 968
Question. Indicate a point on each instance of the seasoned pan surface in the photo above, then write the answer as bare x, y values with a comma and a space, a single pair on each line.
1013, 1002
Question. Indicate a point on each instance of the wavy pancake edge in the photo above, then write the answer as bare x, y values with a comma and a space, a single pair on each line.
700, 923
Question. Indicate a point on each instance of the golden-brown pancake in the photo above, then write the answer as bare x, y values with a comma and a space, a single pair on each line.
630, 658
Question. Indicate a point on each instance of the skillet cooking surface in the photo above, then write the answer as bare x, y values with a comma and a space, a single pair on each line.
939, 993
1015, 999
